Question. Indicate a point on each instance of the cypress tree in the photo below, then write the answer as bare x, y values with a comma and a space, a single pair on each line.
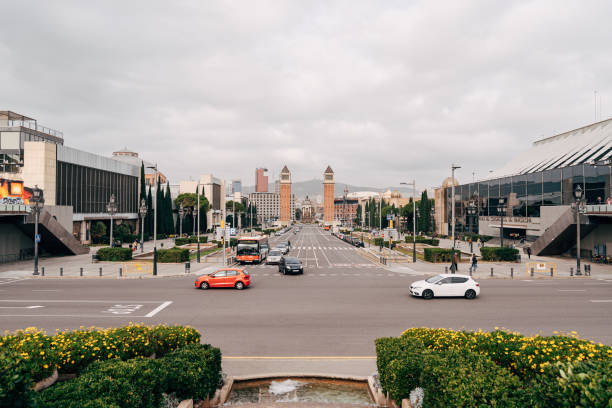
169, 212
159, 193
143, 189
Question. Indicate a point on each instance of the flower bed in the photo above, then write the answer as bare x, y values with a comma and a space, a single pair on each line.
36, 355
191, 372
469, 369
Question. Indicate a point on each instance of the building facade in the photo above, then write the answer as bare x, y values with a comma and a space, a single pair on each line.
345, 210
261, 180
267, 206
328, 196
287, 213
130, 157
534, 190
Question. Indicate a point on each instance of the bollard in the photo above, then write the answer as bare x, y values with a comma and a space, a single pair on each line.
551, 271
42, 270
62, 271
531, 274
187, 267
470, 271
120, 272
589, 269
81, 272
446, 269
571, 271
100, 271
511, 273
491, 271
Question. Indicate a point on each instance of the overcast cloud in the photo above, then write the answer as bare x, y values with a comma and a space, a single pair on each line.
383, 91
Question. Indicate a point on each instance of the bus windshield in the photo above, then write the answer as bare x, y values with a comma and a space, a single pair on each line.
247, 249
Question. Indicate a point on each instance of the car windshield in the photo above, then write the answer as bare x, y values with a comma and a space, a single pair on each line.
292, 260
434, 279
282, 245
275, 253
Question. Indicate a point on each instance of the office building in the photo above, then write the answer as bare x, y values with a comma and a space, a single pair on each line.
261, 180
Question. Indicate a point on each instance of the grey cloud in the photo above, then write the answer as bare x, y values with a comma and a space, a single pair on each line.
382, 91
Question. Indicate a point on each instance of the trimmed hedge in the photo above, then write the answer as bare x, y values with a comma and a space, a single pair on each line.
190, 240
499, 253
449, 378
72, 351
474, 369
172, 255
191, 372
423, 240
114, 254
15, 380
439, 254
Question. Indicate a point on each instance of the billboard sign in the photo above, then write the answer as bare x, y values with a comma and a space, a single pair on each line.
14, 192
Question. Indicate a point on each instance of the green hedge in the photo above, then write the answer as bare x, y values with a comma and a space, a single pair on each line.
475, 237
15, 380
268, 231
439, 254
114, 254
499, 253
423, 240
449, 378
191, 372
172, 255
190, 240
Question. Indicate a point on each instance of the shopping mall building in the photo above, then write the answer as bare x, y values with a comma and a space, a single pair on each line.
535, 193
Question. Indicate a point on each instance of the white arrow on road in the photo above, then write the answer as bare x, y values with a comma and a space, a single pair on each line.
20, 307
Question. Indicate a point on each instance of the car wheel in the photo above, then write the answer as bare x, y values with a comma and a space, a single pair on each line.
427, 294
204, 285
239, 285
470, 294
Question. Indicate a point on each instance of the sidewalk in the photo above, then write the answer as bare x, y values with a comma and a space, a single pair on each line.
72, 265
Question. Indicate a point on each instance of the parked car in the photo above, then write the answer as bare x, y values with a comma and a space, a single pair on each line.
290, 265
284, 247
274, 256
446, 285
225, 278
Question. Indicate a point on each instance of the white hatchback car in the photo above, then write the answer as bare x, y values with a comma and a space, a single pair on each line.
446, 285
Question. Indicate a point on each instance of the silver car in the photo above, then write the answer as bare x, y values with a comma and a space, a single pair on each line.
274, 256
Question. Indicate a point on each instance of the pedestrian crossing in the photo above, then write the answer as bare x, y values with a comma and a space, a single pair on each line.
308, 274
321, 248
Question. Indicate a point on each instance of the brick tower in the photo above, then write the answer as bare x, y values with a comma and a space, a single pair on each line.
328, 196
285, 196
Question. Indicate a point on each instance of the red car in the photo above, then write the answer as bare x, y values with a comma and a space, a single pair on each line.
225, 278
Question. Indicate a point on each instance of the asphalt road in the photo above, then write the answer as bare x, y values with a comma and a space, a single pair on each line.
337, 308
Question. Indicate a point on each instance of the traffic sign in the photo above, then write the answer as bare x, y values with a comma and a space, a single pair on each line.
38, 238
233, 231
389, 217
227, 234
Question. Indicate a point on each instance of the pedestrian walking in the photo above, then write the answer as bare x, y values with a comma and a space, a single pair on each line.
529, 252
609, 201
479, 243
474, 263
455, 263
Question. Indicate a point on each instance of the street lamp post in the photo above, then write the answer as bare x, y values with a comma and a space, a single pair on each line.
181, 212
155, 221
413, 184
111, 207
143, 213
37, 201
453, 168
501, 208
578, 197
471, 211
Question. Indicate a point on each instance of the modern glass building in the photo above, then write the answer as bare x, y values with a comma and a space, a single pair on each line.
535, 188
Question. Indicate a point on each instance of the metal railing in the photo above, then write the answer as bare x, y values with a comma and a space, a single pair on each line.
598, 208
37, 127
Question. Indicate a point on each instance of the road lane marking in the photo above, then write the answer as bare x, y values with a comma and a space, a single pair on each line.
20, 307
45, 290
571, 290
12, 281
602, 301
158, 309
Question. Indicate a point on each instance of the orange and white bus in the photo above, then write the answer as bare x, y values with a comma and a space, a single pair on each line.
251, 249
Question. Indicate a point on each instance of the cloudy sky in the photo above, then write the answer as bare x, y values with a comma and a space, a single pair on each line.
383, 91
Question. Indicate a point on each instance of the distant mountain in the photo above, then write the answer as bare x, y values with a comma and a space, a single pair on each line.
314, 188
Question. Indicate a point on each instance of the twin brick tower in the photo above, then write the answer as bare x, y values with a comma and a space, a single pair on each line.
328, 196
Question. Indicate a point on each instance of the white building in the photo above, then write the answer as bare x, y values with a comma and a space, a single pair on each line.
214, 190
